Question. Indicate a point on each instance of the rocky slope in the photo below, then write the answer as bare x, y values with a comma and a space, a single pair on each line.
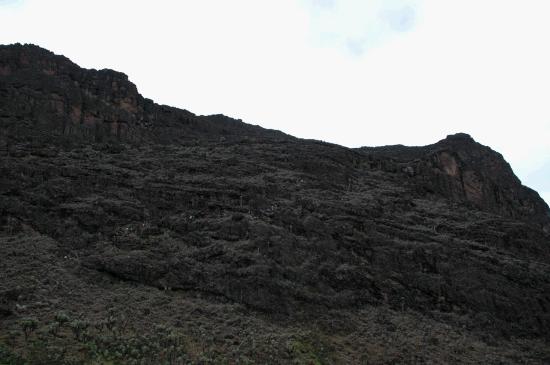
177, 238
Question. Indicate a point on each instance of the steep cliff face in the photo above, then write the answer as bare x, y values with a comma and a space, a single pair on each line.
63, 99
463, 170
249, 245
53, 91
479, 175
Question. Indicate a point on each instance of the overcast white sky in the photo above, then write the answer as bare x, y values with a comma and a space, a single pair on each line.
352, 72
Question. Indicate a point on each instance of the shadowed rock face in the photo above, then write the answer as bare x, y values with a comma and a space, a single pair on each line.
159, 197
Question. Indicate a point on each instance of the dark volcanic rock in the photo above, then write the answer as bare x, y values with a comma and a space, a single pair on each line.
463, 170
113, 191
54, 97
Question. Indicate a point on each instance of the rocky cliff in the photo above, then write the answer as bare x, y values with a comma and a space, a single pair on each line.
247, 244
62, 99
463, 170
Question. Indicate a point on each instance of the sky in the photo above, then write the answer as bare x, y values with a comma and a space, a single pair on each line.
351, 72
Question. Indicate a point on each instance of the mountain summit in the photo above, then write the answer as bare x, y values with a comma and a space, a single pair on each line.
132, 232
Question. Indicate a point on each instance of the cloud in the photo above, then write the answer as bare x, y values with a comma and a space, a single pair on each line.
357, 25
10, 2
323, 4
401, 19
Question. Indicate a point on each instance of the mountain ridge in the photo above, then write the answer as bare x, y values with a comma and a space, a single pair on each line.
139, 113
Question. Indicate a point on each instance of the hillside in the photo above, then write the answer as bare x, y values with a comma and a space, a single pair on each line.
132, 232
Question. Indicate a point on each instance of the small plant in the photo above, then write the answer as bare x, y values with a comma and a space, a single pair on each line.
79, 328
62, 318
111, 321
53, 328
28, 325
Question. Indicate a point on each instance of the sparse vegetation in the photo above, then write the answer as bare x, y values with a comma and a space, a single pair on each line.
79, 327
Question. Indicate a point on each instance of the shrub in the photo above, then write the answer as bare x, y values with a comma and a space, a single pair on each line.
53, 328
28, 325
62, 318
79, 328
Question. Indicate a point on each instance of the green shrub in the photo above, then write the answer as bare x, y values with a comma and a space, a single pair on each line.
28, 325
62, 318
